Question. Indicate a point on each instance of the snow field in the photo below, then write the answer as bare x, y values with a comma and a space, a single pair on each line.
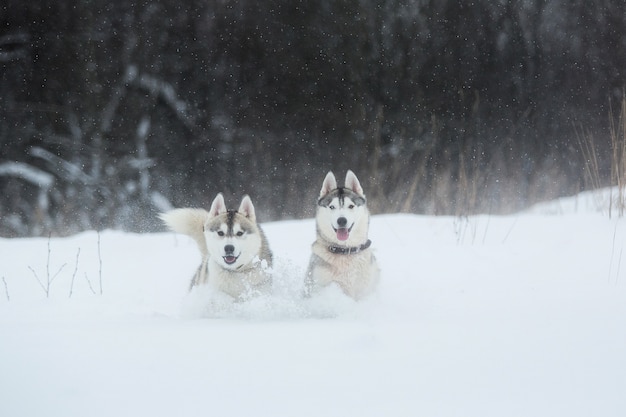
520, 315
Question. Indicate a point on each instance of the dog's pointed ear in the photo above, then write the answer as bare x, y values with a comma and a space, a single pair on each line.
218, 206
329, 184
247, 208
352, 182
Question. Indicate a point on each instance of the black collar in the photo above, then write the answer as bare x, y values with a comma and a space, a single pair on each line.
341, 250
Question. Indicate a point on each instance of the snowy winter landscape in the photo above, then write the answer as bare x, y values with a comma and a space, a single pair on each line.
518, 315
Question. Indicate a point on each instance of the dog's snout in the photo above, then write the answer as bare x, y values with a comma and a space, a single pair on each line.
229, 249
342, 222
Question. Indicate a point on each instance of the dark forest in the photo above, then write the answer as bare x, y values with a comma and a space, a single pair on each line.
112, 111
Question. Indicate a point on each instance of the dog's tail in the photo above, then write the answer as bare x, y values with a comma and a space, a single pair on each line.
188, 221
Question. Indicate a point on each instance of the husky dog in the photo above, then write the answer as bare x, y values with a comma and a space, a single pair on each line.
341, 253
235, 253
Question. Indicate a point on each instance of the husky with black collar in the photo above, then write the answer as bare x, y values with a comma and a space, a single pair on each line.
235, 254
341, 252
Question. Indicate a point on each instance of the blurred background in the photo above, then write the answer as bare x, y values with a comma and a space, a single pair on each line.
114, 110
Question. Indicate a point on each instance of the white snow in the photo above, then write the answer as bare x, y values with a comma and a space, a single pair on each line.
521, 315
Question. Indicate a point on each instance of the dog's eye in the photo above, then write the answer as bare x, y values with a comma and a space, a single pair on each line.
351, 206
240, 233
220, 233
331, 207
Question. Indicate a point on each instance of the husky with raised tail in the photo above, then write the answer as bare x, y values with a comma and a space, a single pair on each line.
235, 255
342, 253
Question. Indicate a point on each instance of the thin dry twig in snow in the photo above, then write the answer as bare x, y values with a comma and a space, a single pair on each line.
74, 274
38, 280
89, 283
100, 261
48, 265
6, 288
49, 279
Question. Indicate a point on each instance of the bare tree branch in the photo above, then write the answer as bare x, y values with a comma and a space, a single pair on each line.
28, 173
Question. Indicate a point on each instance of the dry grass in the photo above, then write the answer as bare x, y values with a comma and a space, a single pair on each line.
618, 161
591, 167
594, 176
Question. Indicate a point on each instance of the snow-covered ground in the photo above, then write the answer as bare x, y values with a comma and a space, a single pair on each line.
521, 315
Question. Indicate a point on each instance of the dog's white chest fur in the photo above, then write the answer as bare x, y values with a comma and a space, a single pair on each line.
357, 274
238, 284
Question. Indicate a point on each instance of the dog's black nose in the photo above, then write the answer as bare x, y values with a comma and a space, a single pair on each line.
342, 222
229, 249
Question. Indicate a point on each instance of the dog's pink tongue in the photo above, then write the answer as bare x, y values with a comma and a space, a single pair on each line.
343, 234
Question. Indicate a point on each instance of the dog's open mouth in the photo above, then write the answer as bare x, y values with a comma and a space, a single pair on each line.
230, 259
343, 233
